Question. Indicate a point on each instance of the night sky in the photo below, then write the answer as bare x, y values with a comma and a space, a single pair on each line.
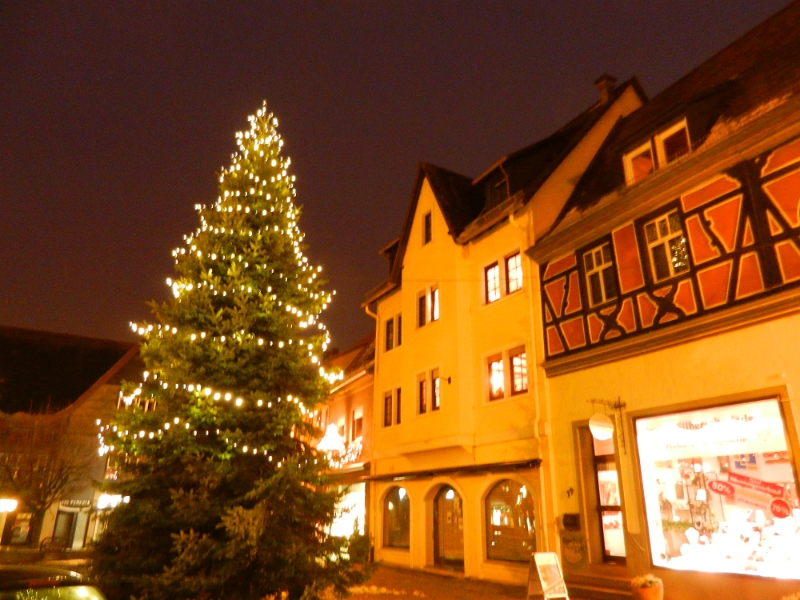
116, 116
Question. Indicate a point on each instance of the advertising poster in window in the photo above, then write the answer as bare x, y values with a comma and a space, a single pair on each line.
720, 492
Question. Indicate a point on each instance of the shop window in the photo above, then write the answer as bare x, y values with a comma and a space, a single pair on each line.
387, 409
513, 273
510, 523
491, 278
519, 370
396, 518
639, 163
357, 423
601, 281
497, 383
667, 246
608, 500
398, 397
389, 338
719, 490
673, 143
427, 231
435, 390
422, 397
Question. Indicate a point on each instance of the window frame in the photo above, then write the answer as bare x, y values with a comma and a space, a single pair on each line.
399, 331
490, 361
627, 162
512, 354
436, 390
516, 255
599, 270
427, 228
388, 402
390, 495
434, 304
356, 423
491, 284
422, 309
669, 132
664, 242
422, 394
388, 335
397, 399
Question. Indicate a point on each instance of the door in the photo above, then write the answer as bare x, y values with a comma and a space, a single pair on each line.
448, 529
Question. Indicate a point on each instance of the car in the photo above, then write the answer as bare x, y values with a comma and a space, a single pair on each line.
30, 582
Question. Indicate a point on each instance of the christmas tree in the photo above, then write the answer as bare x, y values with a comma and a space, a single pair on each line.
224, 498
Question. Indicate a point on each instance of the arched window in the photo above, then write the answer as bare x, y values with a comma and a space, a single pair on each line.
510, 524
396, 511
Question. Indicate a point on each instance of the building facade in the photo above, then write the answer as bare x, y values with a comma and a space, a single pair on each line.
667, 307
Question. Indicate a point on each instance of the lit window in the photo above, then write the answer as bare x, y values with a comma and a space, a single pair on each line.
492, 281
389, 334
397, 405
422, 388
673, 143
434, 304
387, 409
608, 502
396, 521
510, 523
667, 246
639, 163
497, 379
519, 371
513, 273
426, 228
435, 390
600, 279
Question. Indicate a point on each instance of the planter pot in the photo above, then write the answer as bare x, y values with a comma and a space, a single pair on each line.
655, 592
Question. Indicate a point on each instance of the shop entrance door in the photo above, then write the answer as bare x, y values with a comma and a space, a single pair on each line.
448, 529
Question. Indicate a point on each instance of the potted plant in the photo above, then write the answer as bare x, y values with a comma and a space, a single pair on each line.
647, 587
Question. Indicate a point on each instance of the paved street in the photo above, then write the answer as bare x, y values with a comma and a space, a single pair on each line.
393, 582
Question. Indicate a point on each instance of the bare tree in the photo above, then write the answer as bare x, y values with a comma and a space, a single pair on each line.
42, 463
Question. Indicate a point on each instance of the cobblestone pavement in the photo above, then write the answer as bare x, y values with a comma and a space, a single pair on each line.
395, 583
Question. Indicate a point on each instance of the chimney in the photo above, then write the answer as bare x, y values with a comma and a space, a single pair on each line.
605, 85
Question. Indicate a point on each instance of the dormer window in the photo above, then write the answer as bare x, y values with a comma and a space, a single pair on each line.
670, 145
673, 143
639, 163
496, 191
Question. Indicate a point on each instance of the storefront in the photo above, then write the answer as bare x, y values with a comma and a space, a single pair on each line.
719, 490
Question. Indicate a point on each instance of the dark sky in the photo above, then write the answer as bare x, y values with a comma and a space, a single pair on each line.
115, 117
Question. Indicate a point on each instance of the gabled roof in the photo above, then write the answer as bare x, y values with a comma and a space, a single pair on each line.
759, 68
462, 200
44, 371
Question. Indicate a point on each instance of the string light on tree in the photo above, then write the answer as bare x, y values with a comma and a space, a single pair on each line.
211, 443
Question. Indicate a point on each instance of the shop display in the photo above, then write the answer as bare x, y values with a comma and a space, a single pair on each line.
719, 490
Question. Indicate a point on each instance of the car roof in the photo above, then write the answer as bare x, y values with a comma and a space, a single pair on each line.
21, 576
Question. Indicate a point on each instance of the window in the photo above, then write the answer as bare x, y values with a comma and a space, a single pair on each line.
389, 334
357, 424
399, 330
496, 191
340, 427
510, 523
673, 143
519, 370
513, 273
422, 388
422, 310
497, 379
426, 229
721, 477
601, 280
397, 405
608, 503
667, 246
435, 390
396, 522
434, 304
492, 280
639, 163
387, 409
